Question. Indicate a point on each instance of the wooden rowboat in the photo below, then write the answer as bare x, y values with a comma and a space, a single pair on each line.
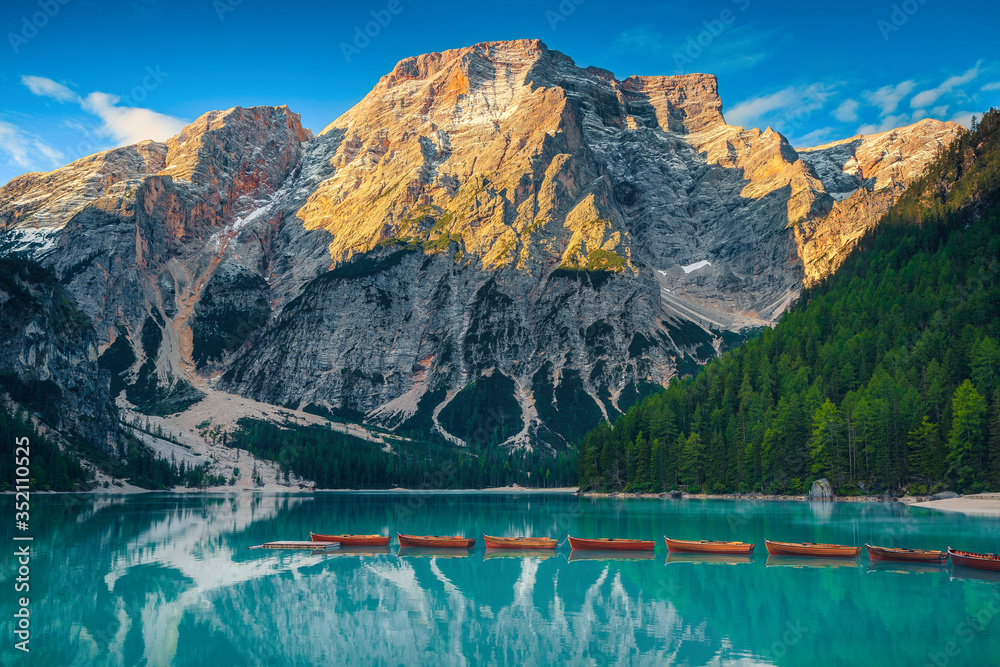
299, 544
352, 540
492, 542
611, 544
908, 555
709, 547
811, 549
435, 541
974, 560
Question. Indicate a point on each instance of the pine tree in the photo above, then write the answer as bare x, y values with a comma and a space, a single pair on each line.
993, 444
966, 441
825, 443
923, 442
691, 459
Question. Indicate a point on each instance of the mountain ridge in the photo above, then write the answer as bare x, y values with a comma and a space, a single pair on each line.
487, 210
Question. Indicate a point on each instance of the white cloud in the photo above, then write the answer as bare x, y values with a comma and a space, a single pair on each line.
887, 98
991, 86
43, 87
25, 150
847, 112
887, 123
930, 96
129, 125
781, 109
963, 118
124, 125
939, 110
814, 138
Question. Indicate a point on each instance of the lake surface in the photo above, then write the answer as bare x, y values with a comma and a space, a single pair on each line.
169, 580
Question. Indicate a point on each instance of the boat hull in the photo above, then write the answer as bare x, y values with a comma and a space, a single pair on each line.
812, 550
708, 547
611, 544
906, 555
299, 544
493, 542
974, 560
353, 540
435, 541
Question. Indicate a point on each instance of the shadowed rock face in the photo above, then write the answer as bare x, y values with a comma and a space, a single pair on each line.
492, 209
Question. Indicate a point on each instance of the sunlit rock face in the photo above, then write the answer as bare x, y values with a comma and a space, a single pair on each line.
865, 174
495, 209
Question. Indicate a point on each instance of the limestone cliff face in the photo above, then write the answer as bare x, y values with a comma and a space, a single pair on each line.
488, 210
48, 356
865, 174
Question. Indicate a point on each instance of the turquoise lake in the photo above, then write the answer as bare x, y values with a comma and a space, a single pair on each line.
168, 579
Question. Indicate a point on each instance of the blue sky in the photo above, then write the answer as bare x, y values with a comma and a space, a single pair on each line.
78, 76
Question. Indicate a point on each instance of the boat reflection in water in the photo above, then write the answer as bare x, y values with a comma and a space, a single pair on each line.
962, 572
900, 567
593, 554
810, 561
169, 582
540, 554
725, 559
357, 551
431, 552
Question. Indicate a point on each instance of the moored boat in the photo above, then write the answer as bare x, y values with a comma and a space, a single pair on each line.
611, 544
298, 544
907, 555
709, 546
352, 540
811, 549
435, 541
493, 542
974, 560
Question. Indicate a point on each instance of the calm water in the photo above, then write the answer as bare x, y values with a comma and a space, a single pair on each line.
168, 580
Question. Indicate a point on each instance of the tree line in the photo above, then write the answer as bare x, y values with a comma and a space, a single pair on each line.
335, 460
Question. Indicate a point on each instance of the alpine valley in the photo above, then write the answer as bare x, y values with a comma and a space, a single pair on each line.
493, 251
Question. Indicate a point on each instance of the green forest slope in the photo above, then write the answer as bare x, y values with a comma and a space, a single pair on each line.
884, 377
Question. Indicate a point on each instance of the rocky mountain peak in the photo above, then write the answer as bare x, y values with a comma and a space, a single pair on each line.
215, 145
492, 222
